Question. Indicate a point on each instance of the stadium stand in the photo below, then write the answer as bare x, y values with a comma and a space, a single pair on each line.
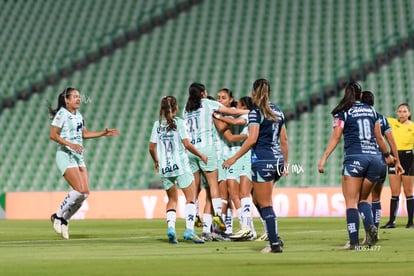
301, 46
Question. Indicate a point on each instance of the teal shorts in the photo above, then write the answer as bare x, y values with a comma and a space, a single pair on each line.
197, 164
242, 167
183, 181
221, 171
66, 159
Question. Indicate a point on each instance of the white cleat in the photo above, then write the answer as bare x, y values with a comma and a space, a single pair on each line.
56, 223
65, 231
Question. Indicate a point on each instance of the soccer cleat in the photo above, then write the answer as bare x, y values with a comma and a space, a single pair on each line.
389, 225
273, 248
263, 237
254, 237
242, 235
57, 223
206, 236
372, 235
65, 229
219, 223
192, 236
171, 235
409, 225
198, 222
351, 246
220, 236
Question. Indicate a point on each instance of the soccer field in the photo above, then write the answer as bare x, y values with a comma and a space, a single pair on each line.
139, 247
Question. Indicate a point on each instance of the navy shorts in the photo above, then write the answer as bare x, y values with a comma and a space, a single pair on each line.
367, 166
267, 170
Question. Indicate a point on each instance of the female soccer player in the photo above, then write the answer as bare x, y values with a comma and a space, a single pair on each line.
368, 98
239, 177
362, 161
269, 144
168, 144
403, 128
68, 130
198, 114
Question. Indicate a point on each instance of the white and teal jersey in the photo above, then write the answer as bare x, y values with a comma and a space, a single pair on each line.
200, 125
172, 155
71, 126
224, 146
239, 129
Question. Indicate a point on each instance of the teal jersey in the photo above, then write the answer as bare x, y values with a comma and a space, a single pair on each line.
71, 126
200, 125
224, 145
239, 129
172, 155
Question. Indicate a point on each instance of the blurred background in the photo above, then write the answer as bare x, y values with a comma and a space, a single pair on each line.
123, 56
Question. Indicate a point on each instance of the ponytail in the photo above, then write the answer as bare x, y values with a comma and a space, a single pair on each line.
261, 88
168, 107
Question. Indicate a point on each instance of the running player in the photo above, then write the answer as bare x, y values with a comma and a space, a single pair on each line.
68, 130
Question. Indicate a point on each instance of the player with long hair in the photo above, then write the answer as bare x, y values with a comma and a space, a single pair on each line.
198, 114
168, 144
68, 130
269, 152
362, 164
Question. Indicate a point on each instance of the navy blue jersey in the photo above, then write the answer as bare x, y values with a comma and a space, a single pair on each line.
358, 125
267, 146
385, 126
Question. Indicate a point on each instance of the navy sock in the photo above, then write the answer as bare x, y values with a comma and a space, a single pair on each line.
410, 208
269, 216
366, 213
352, 221
376, 212
393, 208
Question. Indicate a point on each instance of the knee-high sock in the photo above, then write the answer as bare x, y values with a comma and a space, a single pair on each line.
229, 221
217, 207
376, 212
269, 217
246, 209
190, 213
207, 222
410, 208
394, 208
72, 202
366, 214
352, 221
171, 218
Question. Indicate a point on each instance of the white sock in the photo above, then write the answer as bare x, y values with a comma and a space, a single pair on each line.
190, 213
229, 221
217, 206
197, 209
171, 218
246, 206
72, 201
78, 204
207, 222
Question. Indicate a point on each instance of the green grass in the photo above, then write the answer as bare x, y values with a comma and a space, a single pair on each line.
139, 247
